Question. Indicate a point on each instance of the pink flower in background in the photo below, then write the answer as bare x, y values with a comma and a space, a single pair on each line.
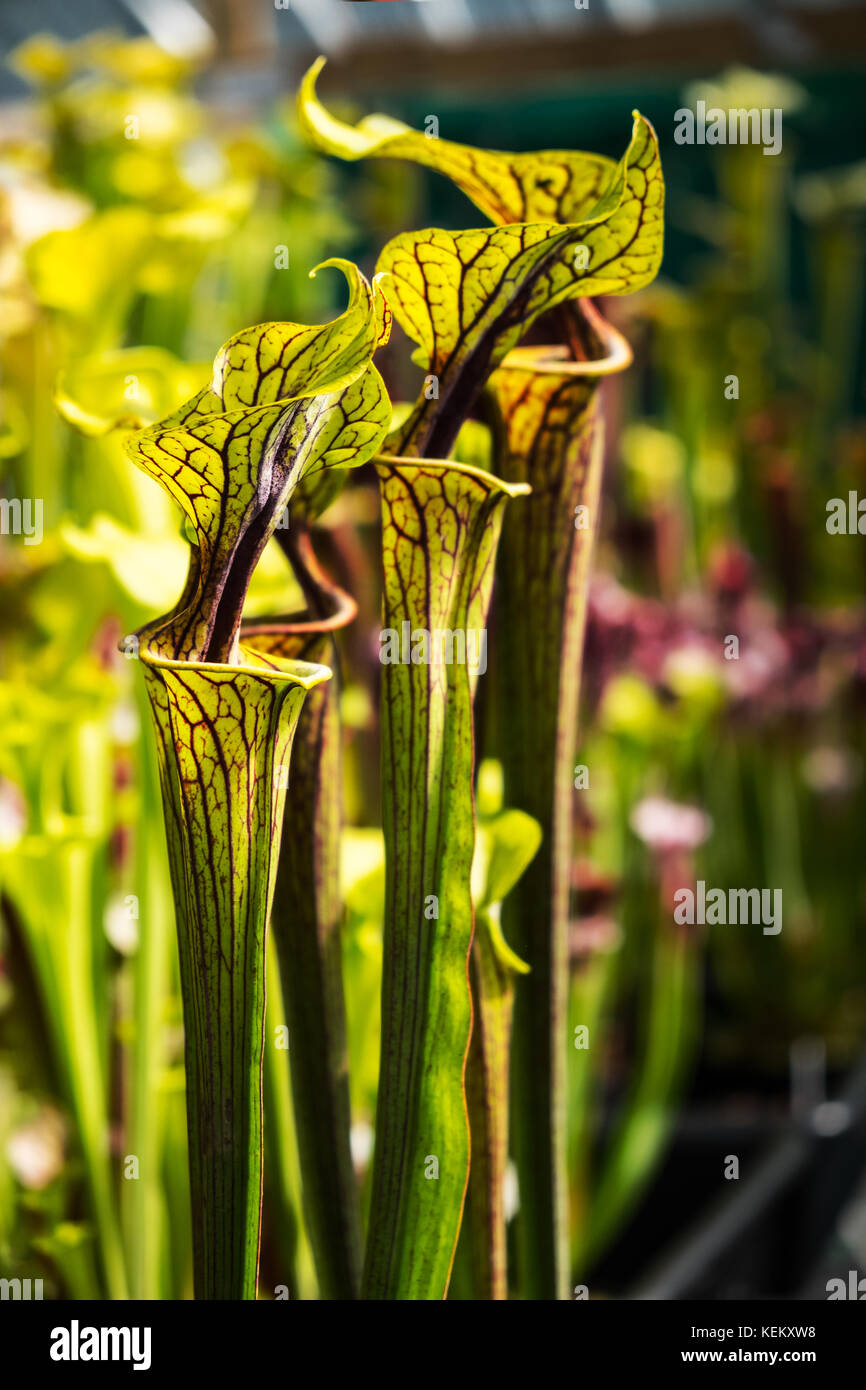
669, 827
35, 1150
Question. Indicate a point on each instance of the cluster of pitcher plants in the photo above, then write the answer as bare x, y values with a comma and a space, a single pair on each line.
490, 487
491, 478
354, 1068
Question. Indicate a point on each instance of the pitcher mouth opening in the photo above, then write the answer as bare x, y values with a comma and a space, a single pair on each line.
608, 350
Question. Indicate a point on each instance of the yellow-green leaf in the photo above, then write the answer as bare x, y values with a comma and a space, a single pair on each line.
467, 298
124, 388
578, 226
284, 401
547, 185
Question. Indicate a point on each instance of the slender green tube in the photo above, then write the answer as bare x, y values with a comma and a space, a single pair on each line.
224, 740
440, 527
550, 436
306, 926
487, 1099
144, 1199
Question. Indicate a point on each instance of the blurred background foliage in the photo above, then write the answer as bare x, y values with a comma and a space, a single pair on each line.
126, 259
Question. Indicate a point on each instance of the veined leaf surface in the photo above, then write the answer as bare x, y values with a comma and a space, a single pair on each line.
547, 185
468, 298
224, 736
581, 226
284, 402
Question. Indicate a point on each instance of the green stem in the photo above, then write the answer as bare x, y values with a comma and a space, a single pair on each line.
282, 1168
144, 1197
487, 1096
665, 1053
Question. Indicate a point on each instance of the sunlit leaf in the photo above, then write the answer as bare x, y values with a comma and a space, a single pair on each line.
506, 844
547, 185
582, 226
91, 271
284, 401
468, 298
126, 388
148, 568
14, 425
